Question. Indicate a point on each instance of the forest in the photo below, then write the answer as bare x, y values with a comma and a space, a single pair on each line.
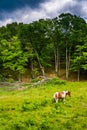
46, 44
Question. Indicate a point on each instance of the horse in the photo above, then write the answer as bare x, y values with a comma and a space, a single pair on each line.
61, 95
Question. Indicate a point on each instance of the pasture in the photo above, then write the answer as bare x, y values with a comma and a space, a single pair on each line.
33, 108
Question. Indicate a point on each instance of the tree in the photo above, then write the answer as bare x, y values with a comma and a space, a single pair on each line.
65, 21
55, 36
34, 36
76, 62
79, 60
73, 28
13, 57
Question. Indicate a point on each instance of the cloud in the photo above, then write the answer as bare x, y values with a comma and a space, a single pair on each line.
54, 6
84, 8
47, 9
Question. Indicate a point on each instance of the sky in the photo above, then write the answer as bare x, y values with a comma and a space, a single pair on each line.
27, 11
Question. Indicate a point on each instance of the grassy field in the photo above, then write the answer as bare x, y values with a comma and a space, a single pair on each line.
33, 109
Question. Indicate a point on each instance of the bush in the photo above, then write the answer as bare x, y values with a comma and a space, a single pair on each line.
44, 102
35, 80
56, 81
44, 125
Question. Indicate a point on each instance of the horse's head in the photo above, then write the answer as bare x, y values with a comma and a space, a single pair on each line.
68, 93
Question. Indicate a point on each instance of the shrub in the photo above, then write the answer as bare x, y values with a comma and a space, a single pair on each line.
44, 125
44, 102
35, 80
56, 81
30, 122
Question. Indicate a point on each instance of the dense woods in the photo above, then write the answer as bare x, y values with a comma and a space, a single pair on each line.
45, 44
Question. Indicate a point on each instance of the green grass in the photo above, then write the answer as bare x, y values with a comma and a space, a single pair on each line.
33, 109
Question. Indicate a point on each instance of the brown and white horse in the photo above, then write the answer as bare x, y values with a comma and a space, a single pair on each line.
61, 95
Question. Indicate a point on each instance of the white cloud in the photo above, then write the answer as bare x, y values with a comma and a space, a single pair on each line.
6, 21
84, 8
47, 9
54, 5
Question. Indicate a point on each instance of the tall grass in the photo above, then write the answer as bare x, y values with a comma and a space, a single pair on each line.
33, 108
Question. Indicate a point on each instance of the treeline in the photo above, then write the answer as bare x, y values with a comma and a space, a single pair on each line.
43, 44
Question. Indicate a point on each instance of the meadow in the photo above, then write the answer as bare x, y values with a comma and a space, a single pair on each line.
34, 109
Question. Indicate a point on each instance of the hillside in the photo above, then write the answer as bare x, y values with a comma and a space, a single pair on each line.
33, 108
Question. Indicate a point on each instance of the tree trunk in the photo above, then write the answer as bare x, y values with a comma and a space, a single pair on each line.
57, 63
32, 71
67, 63
78, 75
19, 77
42, 70
41, 67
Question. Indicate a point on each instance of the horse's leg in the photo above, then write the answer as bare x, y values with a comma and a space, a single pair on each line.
57, 100
64, 100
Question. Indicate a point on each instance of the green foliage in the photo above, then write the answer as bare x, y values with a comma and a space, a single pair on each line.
79, 62
56, 81
13, 57
35, 80
39, 45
